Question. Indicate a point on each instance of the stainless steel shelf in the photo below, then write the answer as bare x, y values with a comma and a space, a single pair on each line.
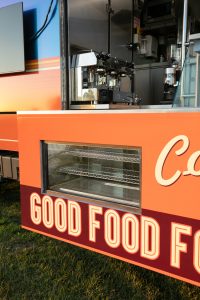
106, 173
103, 154
98, 191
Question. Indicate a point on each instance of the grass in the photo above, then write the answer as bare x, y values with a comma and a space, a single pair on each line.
37, 267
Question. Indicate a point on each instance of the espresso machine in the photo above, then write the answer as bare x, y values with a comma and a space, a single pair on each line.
97, 78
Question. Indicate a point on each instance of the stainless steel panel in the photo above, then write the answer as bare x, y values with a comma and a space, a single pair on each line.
157, 85
15, 168
124, 107
152, 77
142, 79
96, 188
92, 106
7, 167
88, 26
1, 167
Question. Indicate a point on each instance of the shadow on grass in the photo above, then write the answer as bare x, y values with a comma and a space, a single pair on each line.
9, 191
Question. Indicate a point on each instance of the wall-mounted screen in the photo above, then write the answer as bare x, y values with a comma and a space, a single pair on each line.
11, 39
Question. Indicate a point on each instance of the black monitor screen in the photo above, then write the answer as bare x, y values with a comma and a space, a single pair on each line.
11, 39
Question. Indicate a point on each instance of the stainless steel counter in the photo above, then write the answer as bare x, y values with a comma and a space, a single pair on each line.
119, 106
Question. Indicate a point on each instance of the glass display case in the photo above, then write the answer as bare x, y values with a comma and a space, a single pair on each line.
98, 174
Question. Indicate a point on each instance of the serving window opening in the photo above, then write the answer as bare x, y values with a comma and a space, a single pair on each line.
104, 175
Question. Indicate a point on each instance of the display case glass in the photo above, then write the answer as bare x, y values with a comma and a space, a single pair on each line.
104, 174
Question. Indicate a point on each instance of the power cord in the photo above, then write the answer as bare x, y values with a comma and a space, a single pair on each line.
39, 32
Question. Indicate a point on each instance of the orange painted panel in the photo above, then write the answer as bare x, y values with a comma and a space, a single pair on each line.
8, 132
39, 88
165, 236
151, 131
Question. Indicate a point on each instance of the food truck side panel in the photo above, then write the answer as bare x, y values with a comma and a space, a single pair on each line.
8, 132
165, 235
39, 86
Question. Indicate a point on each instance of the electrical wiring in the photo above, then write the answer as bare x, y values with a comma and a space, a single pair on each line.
39, 32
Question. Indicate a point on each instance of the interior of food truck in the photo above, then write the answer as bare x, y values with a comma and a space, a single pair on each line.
133, 53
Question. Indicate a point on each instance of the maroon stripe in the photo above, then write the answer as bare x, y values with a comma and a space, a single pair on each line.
162, 263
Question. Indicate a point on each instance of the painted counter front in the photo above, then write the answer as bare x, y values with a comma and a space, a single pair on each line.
165, 235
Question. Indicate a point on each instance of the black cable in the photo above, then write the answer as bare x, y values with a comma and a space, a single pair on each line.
38, 33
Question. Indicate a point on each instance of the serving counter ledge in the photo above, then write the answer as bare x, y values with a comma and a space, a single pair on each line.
147, 109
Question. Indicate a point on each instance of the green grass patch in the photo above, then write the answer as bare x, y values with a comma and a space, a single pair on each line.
37, 267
